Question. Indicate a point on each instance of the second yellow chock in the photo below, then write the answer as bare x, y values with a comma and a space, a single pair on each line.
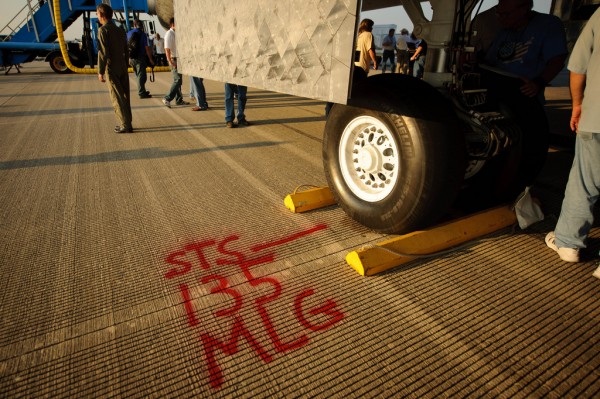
389, 254
308, 200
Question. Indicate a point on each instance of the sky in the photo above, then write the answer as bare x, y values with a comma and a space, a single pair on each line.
392, 15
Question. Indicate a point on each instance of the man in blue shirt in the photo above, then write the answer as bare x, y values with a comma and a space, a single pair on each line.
389, 48
139, 60
530, 46
527, 53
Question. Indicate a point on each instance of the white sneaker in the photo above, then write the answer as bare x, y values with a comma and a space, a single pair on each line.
566, 254
597, 272
166, 102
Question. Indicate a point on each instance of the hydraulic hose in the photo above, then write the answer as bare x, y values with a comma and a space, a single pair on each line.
65, 52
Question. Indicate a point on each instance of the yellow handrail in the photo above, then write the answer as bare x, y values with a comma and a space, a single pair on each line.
65, 53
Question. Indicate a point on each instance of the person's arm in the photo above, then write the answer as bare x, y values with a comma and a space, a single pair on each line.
101, 55
146, 46
531, 88
171, 61
416, 54
149, 54
371, 51
372, 55
577, 86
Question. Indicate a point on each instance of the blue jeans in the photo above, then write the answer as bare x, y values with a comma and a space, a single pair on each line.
139, 67
197, 91
576, 216
419, 67
230, 91
175, 91
387, 55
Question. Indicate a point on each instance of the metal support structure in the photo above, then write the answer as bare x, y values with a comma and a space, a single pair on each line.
126, 12
52, 11
33, 23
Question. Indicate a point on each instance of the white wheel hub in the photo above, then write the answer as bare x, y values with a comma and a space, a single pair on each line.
369, 158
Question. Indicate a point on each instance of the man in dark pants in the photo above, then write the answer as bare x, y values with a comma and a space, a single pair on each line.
171, 51
139, 61
112, 61
238, 91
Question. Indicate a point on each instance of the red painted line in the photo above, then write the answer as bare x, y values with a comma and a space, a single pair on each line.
189, 307
285, 240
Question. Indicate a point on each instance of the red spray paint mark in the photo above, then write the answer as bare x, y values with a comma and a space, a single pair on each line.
211, 344
289, 239
187, 303
317, 319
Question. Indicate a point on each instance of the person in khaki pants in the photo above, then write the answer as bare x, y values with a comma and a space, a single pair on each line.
113, 61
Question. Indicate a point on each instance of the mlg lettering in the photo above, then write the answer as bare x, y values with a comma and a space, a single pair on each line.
316, 319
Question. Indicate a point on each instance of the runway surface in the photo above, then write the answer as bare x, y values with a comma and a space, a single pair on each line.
163, 263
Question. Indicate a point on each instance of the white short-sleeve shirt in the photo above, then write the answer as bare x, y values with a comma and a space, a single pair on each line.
170, 42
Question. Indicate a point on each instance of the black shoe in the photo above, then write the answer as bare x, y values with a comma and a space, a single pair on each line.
147, 95
230, 125
182, 103
119, 129
243, 122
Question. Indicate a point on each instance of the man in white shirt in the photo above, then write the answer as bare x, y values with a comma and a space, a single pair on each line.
402, 55
171, 51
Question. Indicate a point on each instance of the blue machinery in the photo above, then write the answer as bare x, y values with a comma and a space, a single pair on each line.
32, 32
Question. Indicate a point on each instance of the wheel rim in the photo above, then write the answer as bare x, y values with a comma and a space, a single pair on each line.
369, 158
59, 63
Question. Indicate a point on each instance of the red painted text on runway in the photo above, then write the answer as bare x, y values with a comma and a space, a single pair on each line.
194, 257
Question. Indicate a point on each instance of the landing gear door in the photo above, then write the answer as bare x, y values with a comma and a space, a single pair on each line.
303, 48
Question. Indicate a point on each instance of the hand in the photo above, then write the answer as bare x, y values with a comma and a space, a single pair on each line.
530, 88
575, 117
101, 78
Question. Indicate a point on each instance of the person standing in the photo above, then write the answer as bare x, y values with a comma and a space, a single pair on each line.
402, 56
583, 188
419, 58
112, 62
529, 50
530, 45
239, 91
159, 48
139, 55
365, 49
389, 48
171, 51
199, 93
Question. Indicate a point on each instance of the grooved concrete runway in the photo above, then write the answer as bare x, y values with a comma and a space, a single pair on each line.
164, 264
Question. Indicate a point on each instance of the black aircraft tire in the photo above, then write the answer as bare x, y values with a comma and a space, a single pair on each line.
416, 154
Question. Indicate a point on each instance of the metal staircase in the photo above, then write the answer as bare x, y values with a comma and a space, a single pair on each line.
32, 32
34, 23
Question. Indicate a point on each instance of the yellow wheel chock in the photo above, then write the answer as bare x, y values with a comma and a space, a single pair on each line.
396, 251
314, 198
